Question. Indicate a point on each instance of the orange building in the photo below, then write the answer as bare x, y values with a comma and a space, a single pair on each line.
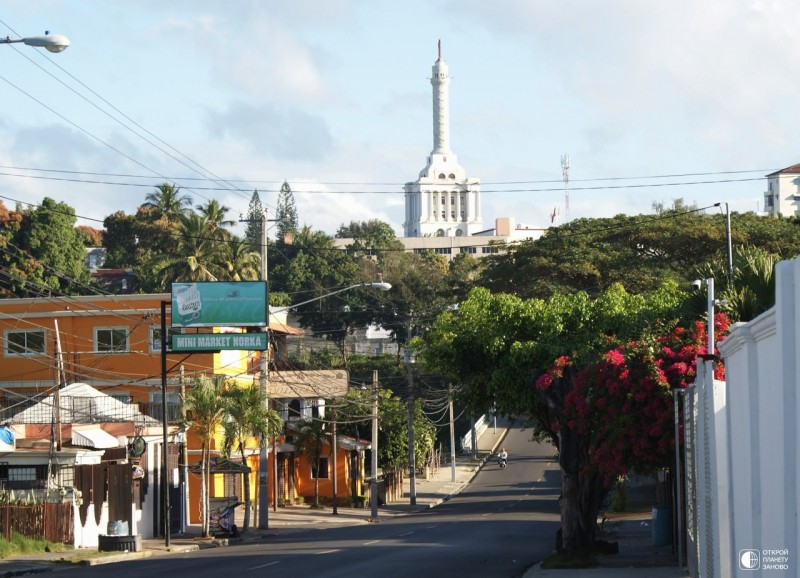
113, 344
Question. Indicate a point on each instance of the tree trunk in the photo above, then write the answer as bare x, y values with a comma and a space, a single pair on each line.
246, 523
316, 486
582, 493
204, 492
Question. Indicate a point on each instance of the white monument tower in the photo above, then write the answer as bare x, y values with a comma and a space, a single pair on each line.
442, 202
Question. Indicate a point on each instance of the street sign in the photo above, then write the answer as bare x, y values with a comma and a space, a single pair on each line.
219, 341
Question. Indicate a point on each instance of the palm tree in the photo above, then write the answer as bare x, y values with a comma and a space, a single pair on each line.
197, 257
247, 416
214, 214
753, 289
310, 439
240, 262
205, 411
167, 202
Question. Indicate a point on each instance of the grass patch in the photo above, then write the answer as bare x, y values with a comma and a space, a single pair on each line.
19, 544
559, 561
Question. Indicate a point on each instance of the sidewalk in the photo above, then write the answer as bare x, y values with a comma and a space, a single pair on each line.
633, 532
429, 493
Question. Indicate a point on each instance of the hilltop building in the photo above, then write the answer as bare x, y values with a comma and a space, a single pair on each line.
442, 202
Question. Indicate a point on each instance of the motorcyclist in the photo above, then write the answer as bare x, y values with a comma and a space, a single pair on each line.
502, 456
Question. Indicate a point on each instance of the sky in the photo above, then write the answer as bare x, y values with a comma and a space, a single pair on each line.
651, 102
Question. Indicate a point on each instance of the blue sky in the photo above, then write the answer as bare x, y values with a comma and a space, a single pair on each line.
652, 101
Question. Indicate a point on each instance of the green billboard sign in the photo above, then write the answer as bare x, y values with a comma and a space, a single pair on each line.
219, 341
219, 303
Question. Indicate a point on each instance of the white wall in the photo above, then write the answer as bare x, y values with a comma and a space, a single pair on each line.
755, 467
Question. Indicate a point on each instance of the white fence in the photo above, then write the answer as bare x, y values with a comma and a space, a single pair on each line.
745, 492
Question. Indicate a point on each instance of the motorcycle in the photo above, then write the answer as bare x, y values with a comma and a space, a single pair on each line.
502, 462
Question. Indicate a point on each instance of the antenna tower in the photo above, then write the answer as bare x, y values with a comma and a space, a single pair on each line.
565, 176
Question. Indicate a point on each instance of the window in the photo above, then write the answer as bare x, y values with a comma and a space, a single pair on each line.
322, 472
25, 342
443, 214
295, 412
22, 477
452, 214
443, 201
111, 340
441, 175
488, 250
453, 200
443, 250
155, 337
469, 250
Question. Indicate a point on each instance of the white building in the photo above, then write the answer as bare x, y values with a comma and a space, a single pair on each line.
442, 202
782, 196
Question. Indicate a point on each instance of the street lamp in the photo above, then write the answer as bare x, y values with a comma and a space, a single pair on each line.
50, 42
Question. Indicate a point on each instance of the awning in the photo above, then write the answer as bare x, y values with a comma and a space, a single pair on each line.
94, 437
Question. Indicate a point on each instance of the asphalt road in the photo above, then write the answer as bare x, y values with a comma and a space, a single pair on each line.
500, 525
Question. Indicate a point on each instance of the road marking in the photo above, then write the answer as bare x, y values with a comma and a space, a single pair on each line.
328, 551
431, 527
406, 534
371, 542
263, 565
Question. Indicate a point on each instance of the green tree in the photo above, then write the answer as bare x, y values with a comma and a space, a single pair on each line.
197, 258
215, 215
638, 251
494, 344
167, 202
205, 412
313, 267
255, 213
370, 238
286, 213
752, 290
239, 261
247, 416
48, 236
15, 269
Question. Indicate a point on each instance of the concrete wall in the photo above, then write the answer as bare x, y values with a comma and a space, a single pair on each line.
748, 490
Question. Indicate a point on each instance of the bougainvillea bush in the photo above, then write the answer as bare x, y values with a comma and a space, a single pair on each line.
616, 415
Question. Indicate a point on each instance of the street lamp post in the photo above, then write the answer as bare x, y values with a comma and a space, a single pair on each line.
50, 42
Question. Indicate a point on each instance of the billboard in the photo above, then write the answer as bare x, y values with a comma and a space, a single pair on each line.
214, 303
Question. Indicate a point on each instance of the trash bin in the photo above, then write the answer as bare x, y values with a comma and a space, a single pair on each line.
662, 526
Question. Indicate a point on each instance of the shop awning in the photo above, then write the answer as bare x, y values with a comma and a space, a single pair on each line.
93, 437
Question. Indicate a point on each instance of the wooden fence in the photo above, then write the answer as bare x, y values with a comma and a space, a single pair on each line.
51, 522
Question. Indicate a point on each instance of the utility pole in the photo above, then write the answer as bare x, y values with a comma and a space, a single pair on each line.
412, 467
164, 438
373, 480
334, 448
263, 384
452, 438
